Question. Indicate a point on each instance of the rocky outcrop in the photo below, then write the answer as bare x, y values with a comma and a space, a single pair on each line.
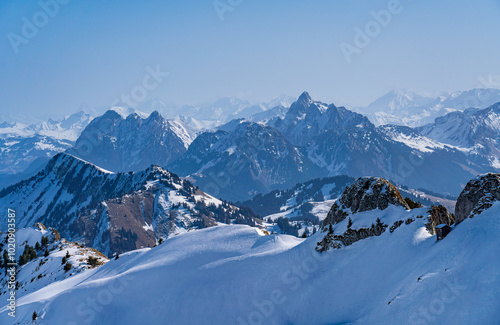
438, 215
365, 194
350, 236
478, 195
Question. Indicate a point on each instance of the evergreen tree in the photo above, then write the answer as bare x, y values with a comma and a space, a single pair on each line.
67, 267
63, 260
349, 223
46, 253
35, 316
67, 254
45, 241
37, 246
93, 261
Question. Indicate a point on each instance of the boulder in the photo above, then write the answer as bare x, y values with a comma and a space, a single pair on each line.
438, 215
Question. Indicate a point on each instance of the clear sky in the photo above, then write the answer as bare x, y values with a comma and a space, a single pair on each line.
92, 52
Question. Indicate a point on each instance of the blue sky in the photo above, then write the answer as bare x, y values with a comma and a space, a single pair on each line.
92, 52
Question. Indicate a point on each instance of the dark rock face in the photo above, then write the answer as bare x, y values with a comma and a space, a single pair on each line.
251, 158
131, 144
365, 194
478, 195
438, 215
350, 236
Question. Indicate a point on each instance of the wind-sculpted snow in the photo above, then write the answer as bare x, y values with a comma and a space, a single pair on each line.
234, 275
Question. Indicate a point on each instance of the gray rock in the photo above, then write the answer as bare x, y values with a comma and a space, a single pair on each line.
438, 215
478, 195
365, 194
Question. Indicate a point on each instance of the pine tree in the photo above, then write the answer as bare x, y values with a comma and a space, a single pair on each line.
37, 246
304, 235
35, 316
67, 254
63, 260
117, 256
46, 253
67, 267
349, 223
330, 229
45, 241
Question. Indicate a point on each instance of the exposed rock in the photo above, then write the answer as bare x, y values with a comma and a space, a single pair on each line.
365, 194
478, 195
438, 215
350, 236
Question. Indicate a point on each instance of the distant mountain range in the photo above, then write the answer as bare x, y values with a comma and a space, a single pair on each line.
270, 148
404, 107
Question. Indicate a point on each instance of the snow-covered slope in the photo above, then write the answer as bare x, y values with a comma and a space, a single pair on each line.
304, 200
234, 275
48, 265
114, 212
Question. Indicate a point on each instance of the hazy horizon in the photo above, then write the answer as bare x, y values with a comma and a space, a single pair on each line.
57, 56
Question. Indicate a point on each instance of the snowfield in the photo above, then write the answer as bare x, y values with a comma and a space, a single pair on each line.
237, 275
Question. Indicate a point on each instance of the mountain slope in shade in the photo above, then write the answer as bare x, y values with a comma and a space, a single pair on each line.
131, 144
246, 159
114, 212
236, 275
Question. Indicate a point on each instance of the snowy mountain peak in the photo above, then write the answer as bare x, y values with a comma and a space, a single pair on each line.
397, 99
304, 99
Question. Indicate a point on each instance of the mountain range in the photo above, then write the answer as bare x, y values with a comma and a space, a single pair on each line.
405, 107
381, 264
114, 212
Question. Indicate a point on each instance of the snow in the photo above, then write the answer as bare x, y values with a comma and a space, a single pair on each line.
229, 274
